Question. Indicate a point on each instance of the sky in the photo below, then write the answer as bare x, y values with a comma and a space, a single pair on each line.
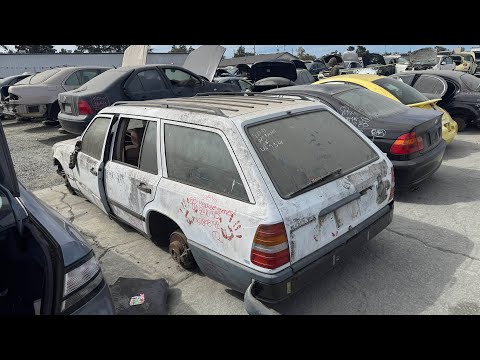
317, 50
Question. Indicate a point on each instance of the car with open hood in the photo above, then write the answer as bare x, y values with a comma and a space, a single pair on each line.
429, 58
5, 83
37, 95
411, 137
377, 62
407, 95
465, 61
273, 74
263, 194
142, 82
46, 266
459, 93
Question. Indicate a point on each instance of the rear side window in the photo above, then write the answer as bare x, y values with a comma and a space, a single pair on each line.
151, 80
306, 150
201, 158
430, 85
148, 158
407, 79
73, 80
135, 86
403, 92
94, 137
87, 75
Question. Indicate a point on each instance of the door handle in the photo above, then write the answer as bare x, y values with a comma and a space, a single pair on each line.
93, 171
144, 188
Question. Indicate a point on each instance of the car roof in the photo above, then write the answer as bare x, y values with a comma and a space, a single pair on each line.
314, 89
443, 73
237, 107
358, 77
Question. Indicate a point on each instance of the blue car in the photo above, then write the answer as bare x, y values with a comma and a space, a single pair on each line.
46, 266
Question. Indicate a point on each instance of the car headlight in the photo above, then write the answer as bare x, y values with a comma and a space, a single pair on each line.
81, 284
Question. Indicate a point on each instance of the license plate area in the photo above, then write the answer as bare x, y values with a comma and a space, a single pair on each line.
67, 108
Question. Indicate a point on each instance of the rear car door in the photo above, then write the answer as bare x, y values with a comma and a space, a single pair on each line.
183, 83
147, 84
88, 172
133, 171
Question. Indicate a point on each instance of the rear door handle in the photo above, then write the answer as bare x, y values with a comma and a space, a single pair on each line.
93, 171
144, 188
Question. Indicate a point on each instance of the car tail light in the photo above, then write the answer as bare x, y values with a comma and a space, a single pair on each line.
407, 144
392, 185
84, 107
270, 246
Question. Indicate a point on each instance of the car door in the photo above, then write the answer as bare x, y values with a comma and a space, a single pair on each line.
88, 172
147, 84
132, 171
183, 83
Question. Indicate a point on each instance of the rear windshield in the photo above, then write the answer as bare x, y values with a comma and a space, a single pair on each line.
403, 92
45, 75
471, 82
300, 151
107, 78
370, 104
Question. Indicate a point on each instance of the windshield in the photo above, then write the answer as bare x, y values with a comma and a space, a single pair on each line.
403, 92
370, 104
41, 77
299, 151
477, 55
471, 82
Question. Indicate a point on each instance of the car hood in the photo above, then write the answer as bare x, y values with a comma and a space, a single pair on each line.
350, 56
373, 59
135, 55
204, 60
424, 55
8, 178
276, 69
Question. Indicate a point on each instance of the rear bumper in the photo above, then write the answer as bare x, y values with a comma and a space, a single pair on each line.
30, 111
410, 173
273, 288
75, 124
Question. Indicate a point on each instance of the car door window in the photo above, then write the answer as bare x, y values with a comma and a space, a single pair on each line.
135, 87
94, 137
148, 157
244, 85
448, 60
203, 161
128, 143
73, 79
151, 80
180, 78
87, 75
430, 85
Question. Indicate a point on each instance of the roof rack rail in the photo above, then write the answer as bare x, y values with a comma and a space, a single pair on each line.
301, 97
172, 105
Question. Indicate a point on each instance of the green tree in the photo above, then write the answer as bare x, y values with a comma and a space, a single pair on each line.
65, 51
36, 49
100, 48
240, 52
303, 55
181, 49
361, 50
351, 48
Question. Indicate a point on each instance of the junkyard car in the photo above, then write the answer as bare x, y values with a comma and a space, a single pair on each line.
46, 266
377, 62
36, 96
460, 93
146, 82
428, 58
401, 63
278, 73
5, 83
317, 68
228, 182
243, 85
465, 62
410, 137
407, 95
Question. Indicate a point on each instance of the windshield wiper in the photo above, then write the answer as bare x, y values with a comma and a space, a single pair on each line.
317, 181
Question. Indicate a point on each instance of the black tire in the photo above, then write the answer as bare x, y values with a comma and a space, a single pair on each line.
54, 111
65, 179
180, 251
461, 122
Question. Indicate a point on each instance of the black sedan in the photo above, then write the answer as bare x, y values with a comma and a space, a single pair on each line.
46, 266
460, 92
411, 137
78, 107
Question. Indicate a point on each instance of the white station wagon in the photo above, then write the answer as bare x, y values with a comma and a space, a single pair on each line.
263, 192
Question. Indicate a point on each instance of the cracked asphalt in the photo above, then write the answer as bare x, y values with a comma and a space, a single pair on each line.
426, 262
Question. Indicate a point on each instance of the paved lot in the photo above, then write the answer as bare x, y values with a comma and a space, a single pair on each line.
426, 262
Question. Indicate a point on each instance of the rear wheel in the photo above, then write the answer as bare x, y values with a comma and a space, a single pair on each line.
52, 118
461, 122
180, 251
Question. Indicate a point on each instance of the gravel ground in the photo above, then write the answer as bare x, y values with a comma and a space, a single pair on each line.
30, 144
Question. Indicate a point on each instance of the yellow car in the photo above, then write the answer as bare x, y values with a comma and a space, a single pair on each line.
397, 90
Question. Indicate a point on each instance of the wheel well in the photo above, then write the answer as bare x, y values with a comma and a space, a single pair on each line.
56, 162
161, 227
467, 114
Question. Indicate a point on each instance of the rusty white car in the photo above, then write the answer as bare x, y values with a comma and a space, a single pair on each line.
37, 96
263, 192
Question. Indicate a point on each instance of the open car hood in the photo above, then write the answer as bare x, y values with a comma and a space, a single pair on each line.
279, 68
327, 58
8, 178
350, 56
424, 55
204, 60
373, 59
135, 55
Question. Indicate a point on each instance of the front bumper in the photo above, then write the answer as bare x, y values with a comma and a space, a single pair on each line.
410, 173
259, 291
75, 124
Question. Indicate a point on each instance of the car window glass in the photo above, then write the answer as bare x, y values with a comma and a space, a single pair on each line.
128, 142
151, 80
135, 86
148, 158
244, 85
94, 137
87, 75
429, 85
73, 80
180, 78
407, 79
468, 58
203, 161
403, 92
302, 149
